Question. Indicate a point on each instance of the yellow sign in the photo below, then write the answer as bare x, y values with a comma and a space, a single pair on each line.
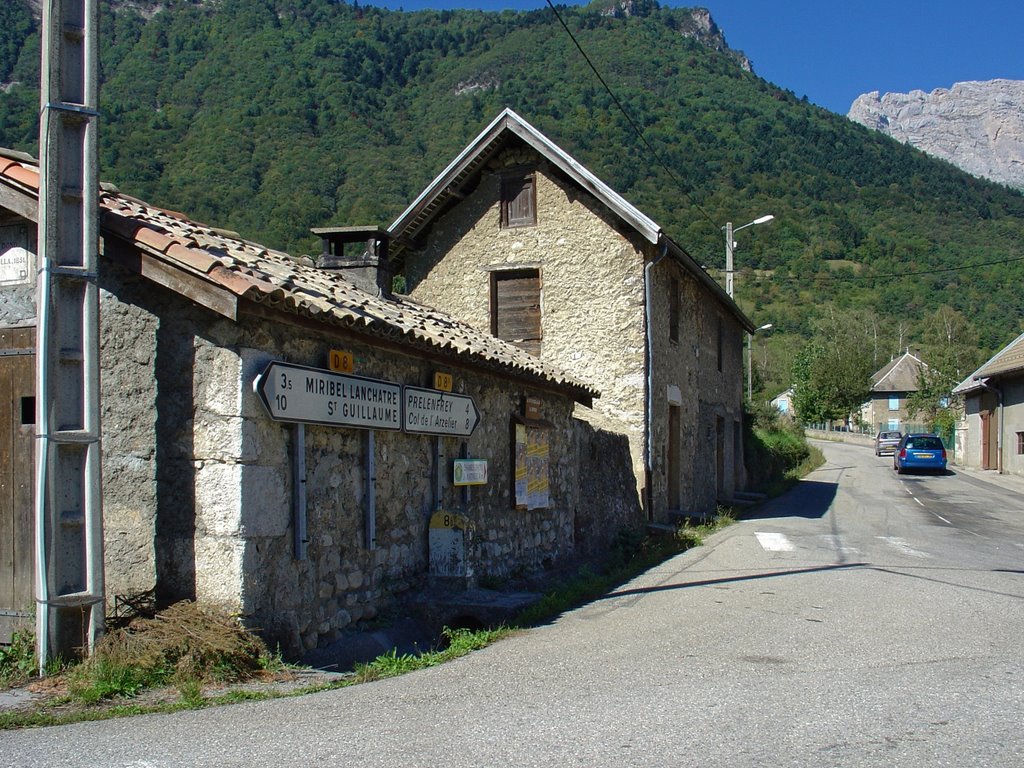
441, 519
342, 362
443, 381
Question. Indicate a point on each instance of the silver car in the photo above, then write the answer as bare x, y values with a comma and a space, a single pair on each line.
886, 442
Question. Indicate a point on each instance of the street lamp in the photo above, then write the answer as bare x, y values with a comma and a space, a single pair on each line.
730, 245
750, 357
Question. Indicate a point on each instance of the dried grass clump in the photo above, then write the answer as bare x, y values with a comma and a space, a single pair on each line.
185, 644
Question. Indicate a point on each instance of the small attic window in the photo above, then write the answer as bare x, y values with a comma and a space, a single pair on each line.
519, 200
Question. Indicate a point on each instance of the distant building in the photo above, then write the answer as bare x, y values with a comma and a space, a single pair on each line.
891, 386
991, 433
783, 403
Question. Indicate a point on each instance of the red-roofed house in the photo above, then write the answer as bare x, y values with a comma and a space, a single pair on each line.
204, 495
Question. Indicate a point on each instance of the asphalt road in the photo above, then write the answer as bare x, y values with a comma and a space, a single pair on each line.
864, 619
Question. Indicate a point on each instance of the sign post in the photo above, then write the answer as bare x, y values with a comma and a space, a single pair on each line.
314, 396
430, 412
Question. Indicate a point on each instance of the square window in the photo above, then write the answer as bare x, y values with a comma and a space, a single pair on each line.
519, 200
1020, 443
894, 403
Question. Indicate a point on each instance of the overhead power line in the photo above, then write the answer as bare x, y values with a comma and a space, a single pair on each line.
629, 119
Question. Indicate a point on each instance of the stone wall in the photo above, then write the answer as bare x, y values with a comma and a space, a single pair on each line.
199, 480
584, 261
593, 321
687, 371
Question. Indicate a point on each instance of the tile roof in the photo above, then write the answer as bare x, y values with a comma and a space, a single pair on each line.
900, 375
1008, 360
224, 262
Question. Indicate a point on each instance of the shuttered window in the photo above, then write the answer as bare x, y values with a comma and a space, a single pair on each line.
519, 200
515, 308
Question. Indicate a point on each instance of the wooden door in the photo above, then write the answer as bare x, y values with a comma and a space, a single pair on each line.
17, 477
719, 456
674, 462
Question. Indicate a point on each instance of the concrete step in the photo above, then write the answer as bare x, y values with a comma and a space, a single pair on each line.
736, 502
661, 529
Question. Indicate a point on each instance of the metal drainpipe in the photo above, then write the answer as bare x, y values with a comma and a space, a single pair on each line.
299, 491
999, 425
649, 442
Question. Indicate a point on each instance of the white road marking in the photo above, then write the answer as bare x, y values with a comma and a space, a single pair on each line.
835, 543
917, 500
773, 542
903, 546
941, 518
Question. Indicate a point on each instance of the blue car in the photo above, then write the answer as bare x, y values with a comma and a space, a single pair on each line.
920, 453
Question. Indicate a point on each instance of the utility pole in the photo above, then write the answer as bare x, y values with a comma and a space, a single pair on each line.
68, 509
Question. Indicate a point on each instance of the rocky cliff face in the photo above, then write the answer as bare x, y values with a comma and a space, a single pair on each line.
977, 126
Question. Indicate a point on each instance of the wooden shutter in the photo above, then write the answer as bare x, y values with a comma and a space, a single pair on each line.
515, 308
519, 201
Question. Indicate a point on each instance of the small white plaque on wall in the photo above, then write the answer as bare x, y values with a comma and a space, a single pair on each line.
675, 396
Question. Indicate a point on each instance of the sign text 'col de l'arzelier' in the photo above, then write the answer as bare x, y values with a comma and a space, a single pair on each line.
315, 396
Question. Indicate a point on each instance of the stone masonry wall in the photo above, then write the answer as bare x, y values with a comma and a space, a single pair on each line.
593, 321
199, 481
690, 367
305, 603
576, 248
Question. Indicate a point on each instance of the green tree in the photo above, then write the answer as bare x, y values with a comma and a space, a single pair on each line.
832, 374
950, 353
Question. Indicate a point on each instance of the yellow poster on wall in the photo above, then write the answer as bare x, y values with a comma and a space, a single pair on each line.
537, 453
521, 484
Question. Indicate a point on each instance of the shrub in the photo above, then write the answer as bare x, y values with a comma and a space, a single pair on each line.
773, 448
18, 660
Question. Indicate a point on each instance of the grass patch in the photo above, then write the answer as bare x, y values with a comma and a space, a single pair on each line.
459, 643
18, 660
630, 555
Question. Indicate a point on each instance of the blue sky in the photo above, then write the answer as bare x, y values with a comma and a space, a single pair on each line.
834, 50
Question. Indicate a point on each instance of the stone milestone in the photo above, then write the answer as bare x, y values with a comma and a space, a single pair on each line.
977, 126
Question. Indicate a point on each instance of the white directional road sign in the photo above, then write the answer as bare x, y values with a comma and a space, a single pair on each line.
316, 396
431, 412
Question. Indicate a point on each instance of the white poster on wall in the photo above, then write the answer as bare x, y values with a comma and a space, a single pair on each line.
17, 262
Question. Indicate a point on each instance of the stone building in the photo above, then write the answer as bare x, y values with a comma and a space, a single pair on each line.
891, 386
991, 433
304, 526
520, 240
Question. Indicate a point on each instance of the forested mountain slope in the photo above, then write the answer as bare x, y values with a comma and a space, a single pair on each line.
270, 117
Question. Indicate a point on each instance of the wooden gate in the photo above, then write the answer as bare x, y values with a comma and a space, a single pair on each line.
17, 477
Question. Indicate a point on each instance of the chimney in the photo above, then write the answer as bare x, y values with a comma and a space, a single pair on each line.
360, 254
